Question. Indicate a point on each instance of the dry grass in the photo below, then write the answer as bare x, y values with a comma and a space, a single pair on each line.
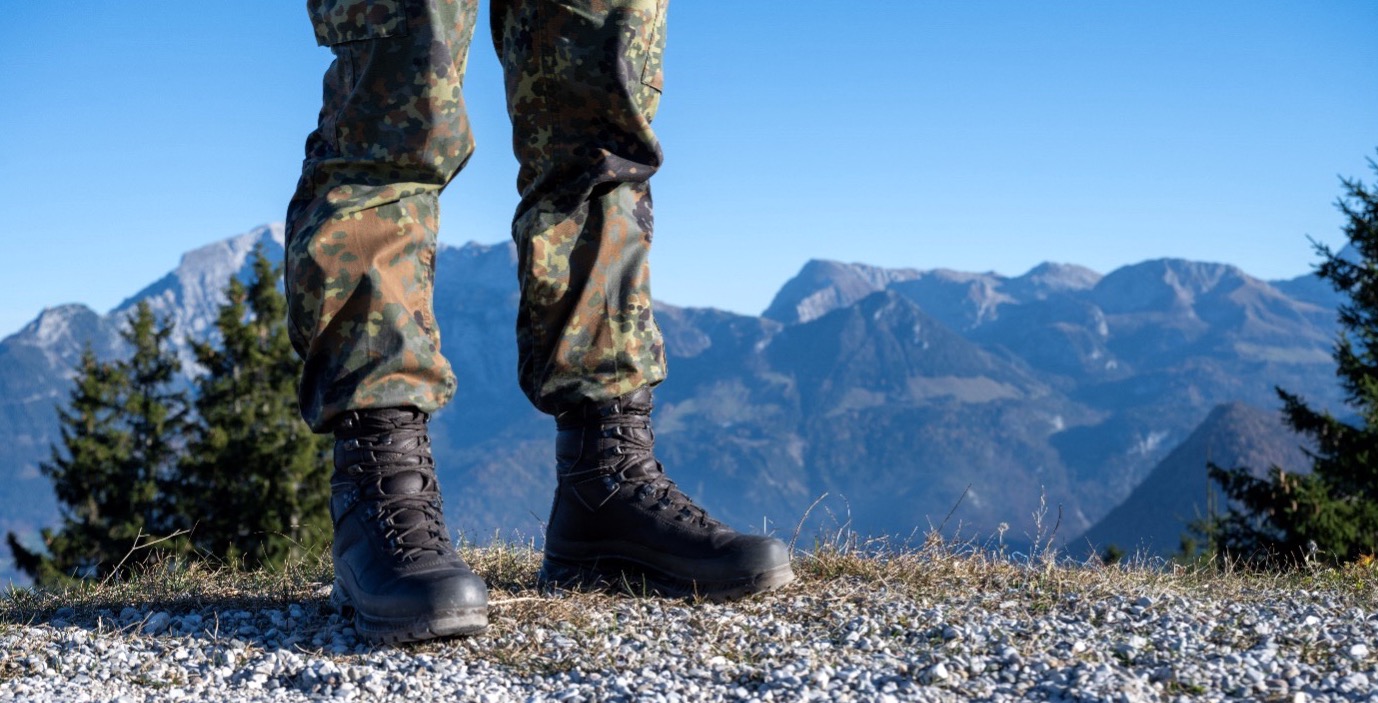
169, 586
940, 570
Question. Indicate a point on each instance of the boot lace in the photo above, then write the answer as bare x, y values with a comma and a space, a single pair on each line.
412, 521
638, 467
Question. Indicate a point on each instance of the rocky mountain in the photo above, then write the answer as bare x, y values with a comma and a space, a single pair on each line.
898, 393
824, 286
1157, 513
192, 293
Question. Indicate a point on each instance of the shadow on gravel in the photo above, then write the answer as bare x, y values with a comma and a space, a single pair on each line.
288, 609
303, 621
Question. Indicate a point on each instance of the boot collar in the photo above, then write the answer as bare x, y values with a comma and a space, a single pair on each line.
637, 402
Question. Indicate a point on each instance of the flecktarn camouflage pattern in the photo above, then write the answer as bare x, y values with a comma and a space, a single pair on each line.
583, 83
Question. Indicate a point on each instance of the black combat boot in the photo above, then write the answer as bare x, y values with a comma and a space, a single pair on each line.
618, 521
395, 566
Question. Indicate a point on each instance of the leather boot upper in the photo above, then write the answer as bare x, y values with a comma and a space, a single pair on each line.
392, 550
614, 501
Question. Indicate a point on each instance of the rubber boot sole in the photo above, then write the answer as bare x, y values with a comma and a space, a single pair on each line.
398, 630
626, 576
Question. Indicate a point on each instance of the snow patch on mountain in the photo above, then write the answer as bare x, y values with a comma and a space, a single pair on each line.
53, 328
191, 295
59, 334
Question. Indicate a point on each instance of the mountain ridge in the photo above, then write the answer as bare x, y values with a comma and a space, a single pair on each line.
896, 392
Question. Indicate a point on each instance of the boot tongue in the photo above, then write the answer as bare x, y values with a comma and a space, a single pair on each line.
404, 483
646, 468
408, 513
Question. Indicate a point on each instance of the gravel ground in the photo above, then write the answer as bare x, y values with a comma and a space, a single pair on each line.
827, 638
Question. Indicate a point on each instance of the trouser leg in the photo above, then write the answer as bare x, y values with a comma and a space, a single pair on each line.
583, 83
361, 227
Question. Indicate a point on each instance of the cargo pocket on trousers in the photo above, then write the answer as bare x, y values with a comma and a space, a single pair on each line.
652, 72
339, 21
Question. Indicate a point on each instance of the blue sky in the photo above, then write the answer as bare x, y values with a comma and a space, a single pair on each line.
976, 135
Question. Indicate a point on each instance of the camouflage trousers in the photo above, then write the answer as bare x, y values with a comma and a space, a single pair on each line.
583, 82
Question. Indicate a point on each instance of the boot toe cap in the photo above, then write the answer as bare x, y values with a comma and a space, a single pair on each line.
758, 553
438, 591
418, 592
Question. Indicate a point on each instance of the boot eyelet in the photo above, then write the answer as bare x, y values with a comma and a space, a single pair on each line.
351, 444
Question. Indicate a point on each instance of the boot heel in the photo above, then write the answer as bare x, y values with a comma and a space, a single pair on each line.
339, 602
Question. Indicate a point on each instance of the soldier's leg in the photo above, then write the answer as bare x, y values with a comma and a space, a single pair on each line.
583, 83
361, 228
361, 240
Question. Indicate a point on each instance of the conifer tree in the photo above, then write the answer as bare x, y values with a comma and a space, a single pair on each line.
254, 485
1331, 514
120, 436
